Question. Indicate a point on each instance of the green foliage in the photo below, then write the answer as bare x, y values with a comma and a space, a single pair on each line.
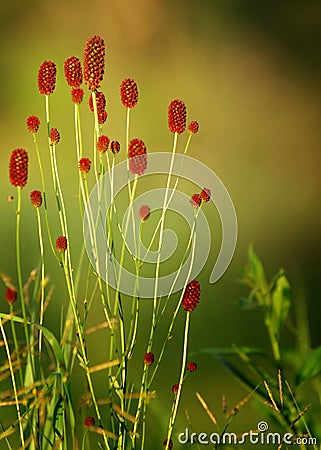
310, 367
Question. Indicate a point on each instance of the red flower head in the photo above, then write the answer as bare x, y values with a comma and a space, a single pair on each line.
47, 77
129, 93
11, 295
144, 212
205, 195
169, 445
77, 94
193, 127
196, 200
192, 366
36, 198
137, 156
149, 358
191, 295
18, 168
54, 136
175, 388
94, 62
84, 165
89, 422
102, 144
101, 105
33, 124
73, 71
115, 147
61, 244
177, 116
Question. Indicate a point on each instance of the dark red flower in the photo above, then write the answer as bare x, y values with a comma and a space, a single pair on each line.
47, 77
84, 165
33, 124
149, 358
129, 93
144, 212
11, 295
205, 195
196, 200
36, 198
73, 71
191, 295
94, 62
89, 422
18, 168
192, 366
61, 244
170, 444
137, 156
54, 136
193, 127
101, 105
175, 388
115, 147
102, 144
177, 116
77, 94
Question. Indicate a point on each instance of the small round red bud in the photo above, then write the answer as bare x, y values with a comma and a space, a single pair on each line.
115, 147
61, 244
47, 77
11, 295
193, 127
33, 124
77, 95
129, 93
169, 445
54, 136
196, 200
205, 195
36, 198
144, 212
175, 388
89, 422
192, 366
84, 165
177, 116
102, 144
149, 358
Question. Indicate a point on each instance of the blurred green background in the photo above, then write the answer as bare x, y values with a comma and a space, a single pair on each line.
250, 74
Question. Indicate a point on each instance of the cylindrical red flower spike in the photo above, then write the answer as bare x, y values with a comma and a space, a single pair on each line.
61, 244
129, 93
11, 295
191, 295
33, 124
115, 147
54, 136
18, 168
149, 358
177, 116
89, 422
77, 94
192, 366
101, 105
144, 212
193, 127
94, 62
205, 195
102, 144
73, 71
36, 198
137, 156
196, 200
47, 77
169, 445
175, 388
84, 165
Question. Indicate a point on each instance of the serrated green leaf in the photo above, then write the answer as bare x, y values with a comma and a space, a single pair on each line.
310, 367
280, 304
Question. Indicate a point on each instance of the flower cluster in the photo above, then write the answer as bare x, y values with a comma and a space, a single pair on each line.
18, 168
177, 116
137, 156
94, 62
191, 295
129, 93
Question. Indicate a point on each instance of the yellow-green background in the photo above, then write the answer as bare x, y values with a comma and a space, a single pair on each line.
250, 73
